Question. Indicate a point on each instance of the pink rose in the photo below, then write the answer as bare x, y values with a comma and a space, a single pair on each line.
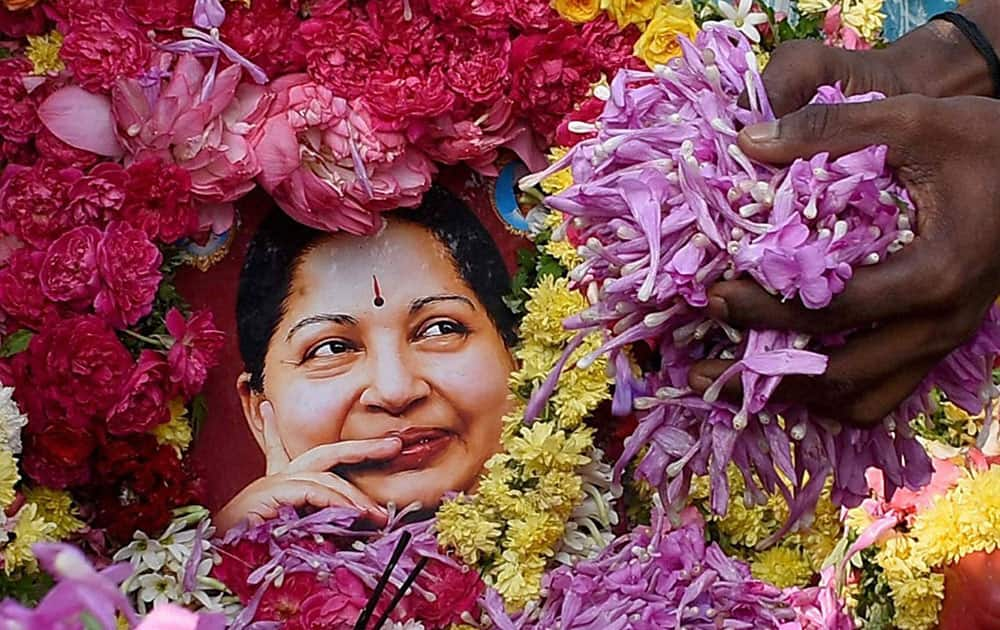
202, 131
159, 201
32, 202
103, 48
461, 590
74, 371
611, 47
197, 344
588, 111
478, 64
480, 14
96, 198
130, 274
144, 401
17, 24
18, 109
474, 142
327, 166
55, 150
533, 16
69, 272
21, 297
341, 47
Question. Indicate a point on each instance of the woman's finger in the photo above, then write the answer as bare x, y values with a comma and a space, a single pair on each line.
326, 456
337, 483
274, 449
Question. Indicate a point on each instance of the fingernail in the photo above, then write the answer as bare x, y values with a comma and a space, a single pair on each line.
718, 308
762, 132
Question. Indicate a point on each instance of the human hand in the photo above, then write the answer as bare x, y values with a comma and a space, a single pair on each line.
914, 308
306, 480
933, 60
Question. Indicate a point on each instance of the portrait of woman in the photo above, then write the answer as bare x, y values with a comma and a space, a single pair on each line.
375, 367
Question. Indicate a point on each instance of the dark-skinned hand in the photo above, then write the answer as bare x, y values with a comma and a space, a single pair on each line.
919, 304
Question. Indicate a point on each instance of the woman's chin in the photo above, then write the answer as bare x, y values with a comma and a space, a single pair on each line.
426, 487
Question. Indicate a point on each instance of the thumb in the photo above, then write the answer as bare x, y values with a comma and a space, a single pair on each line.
837, 129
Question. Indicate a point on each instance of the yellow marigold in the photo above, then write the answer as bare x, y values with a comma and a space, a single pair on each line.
658, 43
56, 507
627, 12
552, 301
763, 57
917, 593
29, 529
43, 52
512, 422
177, 432
563, 179
864, 16
557, 491
563, 251
542, 447
518, 579
468, 529
580, 391
536, 533
782, 566
536, 362
8, 478
964, 520
577, 10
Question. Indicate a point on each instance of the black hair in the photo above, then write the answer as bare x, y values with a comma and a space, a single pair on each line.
280, 244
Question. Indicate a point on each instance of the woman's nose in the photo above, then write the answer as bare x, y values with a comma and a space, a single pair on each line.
393, 387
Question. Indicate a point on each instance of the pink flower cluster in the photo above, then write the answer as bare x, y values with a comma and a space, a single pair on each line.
327, 579
664, 204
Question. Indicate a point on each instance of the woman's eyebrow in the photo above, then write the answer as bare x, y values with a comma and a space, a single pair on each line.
322, 318
419, 303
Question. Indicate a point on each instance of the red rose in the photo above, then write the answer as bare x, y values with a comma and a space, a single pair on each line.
144, 402
341, 49
611, 47
162, 14
551, 73
96, 198
533, 16
588, 111
238, 562
262, 32
17, 24
338, 605
197, 344
32, 202
104, 47
69, 272
130, 273
18, 116
140, 483
55, 150
457, 592
159, 201
58, 456
480, 14
74, 370
21, 296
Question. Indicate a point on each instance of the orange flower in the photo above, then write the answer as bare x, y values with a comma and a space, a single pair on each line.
19, 5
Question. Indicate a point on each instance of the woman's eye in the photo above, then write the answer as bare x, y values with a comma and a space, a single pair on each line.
444, 327
331, 348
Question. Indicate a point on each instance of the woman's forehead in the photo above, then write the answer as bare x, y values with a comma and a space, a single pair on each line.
402, 263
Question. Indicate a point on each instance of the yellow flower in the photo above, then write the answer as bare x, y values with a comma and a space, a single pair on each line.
808, 7
56, 507
542, 447
578, 10
468, 529
518, 579
864, 16
658, 43
29, 529
177, 432
536, 533
782, 566
627, 12
917, 593
560, 180
8, 478
43, 52
552, 301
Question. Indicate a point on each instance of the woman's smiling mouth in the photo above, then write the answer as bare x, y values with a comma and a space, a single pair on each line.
420, 446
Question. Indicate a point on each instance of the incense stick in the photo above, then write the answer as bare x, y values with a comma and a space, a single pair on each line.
410, 579
397, 553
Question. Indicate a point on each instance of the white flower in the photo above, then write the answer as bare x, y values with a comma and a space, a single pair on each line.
157, 589
11, 421
588, 530
144, 553
409, 624
741, 18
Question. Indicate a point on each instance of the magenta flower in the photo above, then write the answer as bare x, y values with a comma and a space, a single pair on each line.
197, 344
327, 166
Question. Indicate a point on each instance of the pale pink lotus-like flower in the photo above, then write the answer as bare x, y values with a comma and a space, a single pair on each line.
326, 165
197, 118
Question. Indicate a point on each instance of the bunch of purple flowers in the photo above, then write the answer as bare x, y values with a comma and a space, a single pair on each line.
665, 204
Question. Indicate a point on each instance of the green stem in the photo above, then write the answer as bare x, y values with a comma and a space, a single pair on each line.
143, 338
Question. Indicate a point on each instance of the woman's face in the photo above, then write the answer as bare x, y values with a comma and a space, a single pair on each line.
382, 337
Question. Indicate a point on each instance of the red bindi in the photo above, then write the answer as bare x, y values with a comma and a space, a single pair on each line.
378, 301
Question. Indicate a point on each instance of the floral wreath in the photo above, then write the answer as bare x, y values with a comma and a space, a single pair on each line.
130, 131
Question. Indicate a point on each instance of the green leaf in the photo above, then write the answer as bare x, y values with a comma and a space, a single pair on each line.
549, 266
199, 412
16, 343
90, 622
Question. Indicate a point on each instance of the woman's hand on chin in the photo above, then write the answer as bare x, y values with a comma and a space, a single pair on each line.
306, 480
